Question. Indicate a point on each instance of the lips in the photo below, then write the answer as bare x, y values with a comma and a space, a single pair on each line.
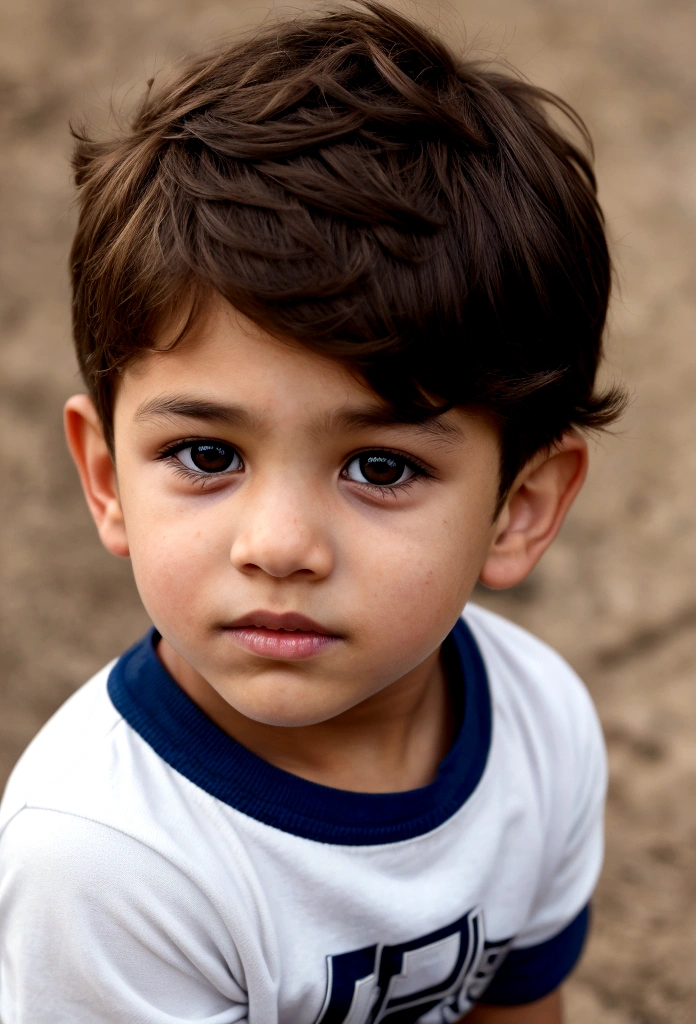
282, 636
287, 621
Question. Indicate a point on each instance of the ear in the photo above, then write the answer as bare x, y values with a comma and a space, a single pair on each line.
90, 451
534, 511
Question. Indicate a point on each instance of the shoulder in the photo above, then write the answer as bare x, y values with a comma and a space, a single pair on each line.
545, 727
532, 683
509, 646
87, 763
62, 755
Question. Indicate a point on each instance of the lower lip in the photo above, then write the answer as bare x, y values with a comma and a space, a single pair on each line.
281, 643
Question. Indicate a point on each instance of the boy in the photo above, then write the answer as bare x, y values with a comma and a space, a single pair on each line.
338, 303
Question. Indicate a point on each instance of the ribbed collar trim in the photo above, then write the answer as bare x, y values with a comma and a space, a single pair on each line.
168, 720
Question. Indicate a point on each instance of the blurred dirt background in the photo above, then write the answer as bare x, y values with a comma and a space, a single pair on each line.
617, 593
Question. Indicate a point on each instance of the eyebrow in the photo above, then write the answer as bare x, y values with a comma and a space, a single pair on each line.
332, 424
189, 407
363, 418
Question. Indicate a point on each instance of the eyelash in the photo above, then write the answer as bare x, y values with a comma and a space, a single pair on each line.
169, 453
202, 480
385, 491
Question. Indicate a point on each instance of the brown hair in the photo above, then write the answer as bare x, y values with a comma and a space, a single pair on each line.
348, 183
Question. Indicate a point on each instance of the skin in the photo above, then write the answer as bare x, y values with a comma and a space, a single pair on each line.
293, 526
544, 1011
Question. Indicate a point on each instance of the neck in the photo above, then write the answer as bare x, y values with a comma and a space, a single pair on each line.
391, 742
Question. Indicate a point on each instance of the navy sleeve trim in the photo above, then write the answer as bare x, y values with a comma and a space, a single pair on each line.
532, 973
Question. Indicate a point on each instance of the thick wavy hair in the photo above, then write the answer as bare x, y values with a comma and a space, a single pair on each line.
352, 186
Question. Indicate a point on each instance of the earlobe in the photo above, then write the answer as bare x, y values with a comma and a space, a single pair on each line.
88, 447
534, 511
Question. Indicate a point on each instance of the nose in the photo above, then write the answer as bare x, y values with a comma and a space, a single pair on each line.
284, 533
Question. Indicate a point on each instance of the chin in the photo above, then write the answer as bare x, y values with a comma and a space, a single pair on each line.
288, 712
290, 719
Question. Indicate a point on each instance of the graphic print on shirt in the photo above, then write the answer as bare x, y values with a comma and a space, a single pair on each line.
430, 980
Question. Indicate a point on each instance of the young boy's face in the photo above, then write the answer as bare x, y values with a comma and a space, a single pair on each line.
263, 486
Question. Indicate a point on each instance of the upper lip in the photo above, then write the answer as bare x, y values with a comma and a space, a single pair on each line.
280, 620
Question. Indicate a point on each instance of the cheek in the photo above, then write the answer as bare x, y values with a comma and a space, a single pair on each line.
173, 553
167, 575
416, 581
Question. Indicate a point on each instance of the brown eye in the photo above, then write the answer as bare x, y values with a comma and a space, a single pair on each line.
209, 457
381, 469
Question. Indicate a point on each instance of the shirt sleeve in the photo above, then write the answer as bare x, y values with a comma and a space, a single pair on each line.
532, 973
97, 928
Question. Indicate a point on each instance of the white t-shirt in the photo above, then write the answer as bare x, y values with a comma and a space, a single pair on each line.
154, 871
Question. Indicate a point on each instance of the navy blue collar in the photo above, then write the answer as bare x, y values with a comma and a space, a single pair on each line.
167, 719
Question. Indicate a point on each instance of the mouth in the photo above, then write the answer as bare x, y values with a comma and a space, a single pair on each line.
281, 635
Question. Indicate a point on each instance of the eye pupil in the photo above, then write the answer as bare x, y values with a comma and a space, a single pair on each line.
212, 458
381, 469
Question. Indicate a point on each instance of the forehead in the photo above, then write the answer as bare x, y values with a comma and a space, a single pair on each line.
228, 369
227, 355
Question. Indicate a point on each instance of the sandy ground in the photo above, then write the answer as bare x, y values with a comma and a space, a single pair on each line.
616, 594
